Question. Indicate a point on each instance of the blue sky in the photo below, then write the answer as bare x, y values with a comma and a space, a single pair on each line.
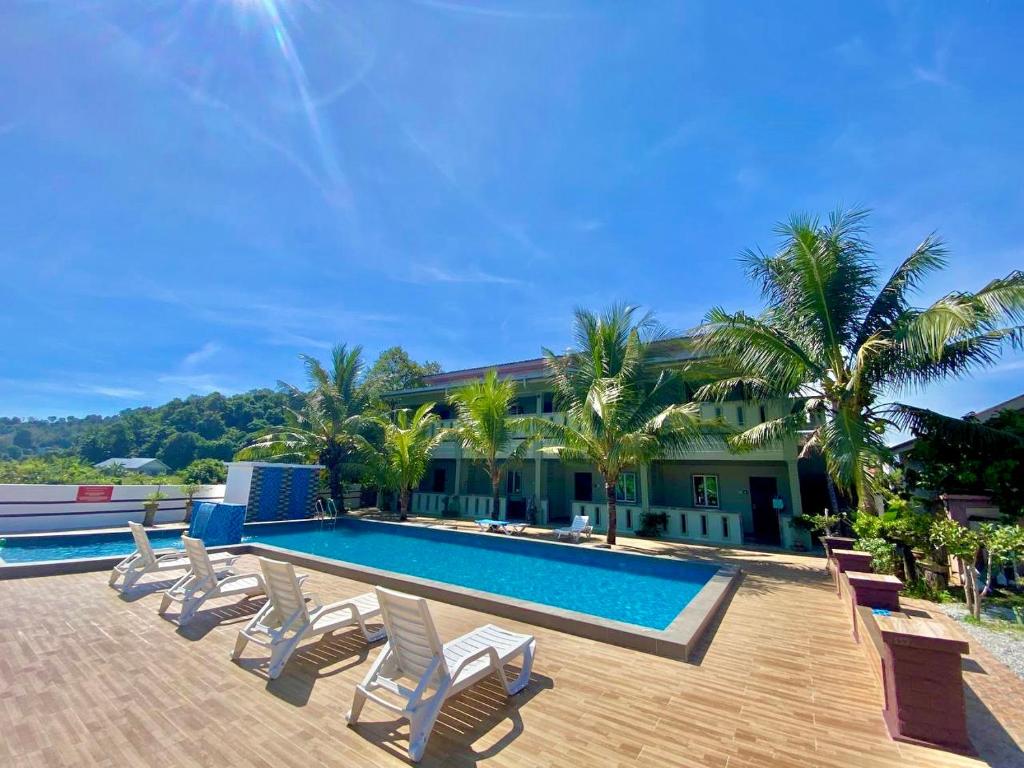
193, 193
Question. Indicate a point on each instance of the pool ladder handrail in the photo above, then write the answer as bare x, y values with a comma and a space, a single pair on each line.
325, 511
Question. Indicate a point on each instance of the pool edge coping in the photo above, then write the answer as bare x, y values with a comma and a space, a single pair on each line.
675, 641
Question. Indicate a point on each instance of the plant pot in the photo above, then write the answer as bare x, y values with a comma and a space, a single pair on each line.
150, 517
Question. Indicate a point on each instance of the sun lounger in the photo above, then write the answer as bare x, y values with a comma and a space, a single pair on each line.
414, 656
285, 620
500, 526
580, 527
203, 583
145, 560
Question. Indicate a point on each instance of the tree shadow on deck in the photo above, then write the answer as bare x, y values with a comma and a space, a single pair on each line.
465, 719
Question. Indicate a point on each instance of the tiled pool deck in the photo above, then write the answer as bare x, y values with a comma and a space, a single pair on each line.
89, 678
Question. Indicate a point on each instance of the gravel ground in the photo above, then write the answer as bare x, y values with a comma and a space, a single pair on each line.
1007, 645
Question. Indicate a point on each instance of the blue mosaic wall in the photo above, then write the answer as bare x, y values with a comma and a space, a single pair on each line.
281, 493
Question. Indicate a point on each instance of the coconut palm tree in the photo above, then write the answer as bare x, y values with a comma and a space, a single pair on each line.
486, 427
621, 411
841, 345
409, 440
324, 423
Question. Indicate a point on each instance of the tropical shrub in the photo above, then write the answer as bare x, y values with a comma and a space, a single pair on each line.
993, 545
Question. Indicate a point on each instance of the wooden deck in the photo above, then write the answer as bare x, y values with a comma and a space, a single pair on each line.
90, 678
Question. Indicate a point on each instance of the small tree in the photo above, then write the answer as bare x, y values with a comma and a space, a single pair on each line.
190, 490
1001, 545
486, 427
409, 440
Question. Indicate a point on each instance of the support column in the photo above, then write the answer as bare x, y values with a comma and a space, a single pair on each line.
538, 466
458, 476
645, 488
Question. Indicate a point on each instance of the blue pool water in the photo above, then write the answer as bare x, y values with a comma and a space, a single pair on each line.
646, 591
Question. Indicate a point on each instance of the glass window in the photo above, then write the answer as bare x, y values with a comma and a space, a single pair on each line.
705, 490
739, 415
762, 414
625, 489
513, 483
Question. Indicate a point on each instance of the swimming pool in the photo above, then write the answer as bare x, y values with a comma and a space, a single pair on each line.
649, 592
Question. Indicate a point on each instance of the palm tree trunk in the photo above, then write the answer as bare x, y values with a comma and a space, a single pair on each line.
495, 486
613, 515
833, 497
404, 503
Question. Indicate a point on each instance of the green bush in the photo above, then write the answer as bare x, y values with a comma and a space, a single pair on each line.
883, 553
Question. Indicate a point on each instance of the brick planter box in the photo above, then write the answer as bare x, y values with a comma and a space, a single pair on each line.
924, 689
872, 590
844, 560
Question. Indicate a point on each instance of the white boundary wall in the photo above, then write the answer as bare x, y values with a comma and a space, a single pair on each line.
32, 508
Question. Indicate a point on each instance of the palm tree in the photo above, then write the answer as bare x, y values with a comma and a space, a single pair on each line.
486, 427
323, 424
841, 346
409, 440
621, 411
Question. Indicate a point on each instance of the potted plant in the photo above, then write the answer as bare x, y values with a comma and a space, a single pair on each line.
151, 505
190, 490
652, 524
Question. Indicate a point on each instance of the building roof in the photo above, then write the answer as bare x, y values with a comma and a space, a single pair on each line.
1014, 404
668, 350
134, 463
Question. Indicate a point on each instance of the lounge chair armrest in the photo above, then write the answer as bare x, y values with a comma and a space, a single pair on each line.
488, 651
173, 555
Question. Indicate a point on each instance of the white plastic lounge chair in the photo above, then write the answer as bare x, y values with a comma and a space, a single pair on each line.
580, 526
285, 620
500, 526
434, 671
146, 560
202, 583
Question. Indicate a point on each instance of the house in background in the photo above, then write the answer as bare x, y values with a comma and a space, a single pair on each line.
711, 495
140, 464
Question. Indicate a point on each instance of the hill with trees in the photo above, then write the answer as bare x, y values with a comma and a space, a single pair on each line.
200, 428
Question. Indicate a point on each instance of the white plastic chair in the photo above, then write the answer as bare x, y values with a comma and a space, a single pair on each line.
145, 560
580, 527
203, 583
285, 620
435, 671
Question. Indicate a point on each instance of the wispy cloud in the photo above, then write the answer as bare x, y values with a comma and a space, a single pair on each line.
422, 273
200, 384
587, 225
201, 355
66, 385
123, 393
480, 9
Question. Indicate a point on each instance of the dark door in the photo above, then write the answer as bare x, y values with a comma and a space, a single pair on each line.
584, 487
439, 480
766, 518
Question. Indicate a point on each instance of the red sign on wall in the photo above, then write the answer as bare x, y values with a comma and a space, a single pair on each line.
94, 493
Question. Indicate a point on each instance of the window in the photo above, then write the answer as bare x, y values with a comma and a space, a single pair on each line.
549, 403
705, 490
762, 414
739, 415
513, 483
515, 409
625, 489
718, 411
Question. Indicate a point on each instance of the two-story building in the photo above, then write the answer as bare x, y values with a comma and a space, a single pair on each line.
709, 495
